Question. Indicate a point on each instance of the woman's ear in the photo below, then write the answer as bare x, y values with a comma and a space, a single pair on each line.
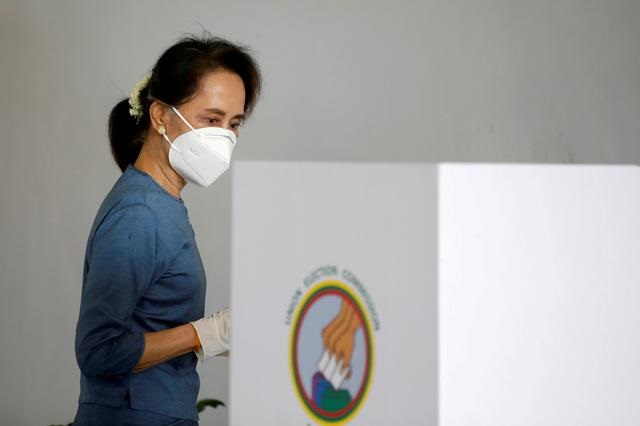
158, 116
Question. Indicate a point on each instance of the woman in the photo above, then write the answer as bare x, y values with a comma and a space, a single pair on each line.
141, 330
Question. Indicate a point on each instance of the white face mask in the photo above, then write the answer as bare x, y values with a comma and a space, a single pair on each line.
201, 155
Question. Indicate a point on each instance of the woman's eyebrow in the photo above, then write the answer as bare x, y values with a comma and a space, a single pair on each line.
222, 113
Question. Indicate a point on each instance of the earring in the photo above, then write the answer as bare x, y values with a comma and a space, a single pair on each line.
162, 130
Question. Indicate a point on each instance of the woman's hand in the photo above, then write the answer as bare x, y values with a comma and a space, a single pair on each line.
208, 337
214, 333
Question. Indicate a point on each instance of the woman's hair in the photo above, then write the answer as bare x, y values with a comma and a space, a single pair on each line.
174, 80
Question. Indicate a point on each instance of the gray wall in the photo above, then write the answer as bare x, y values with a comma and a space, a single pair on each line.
360, 80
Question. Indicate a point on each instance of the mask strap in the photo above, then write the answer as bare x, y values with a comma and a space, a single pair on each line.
164, 135
183, 120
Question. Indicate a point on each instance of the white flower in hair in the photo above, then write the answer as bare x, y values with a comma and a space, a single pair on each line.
134, 98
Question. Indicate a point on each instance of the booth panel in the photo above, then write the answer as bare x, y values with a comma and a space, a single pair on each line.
539, 288
314, 244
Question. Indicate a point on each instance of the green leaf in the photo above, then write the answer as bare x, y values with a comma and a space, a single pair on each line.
204, 403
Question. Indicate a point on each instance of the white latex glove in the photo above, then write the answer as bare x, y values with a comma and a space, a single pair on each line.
213, 332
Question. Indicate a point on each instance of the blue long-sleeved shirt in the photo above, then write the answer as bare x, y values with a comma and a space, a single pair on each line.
142, 272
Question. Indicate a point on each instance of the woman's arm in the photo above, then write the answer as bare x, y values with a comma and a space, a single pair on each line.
161, 346
121, 265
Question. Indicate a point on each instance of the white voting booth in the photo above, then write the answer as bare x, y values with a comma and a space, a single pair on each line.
451, 295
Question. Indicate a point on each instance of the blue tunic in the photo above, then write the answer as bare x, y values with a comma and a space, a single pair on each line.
142, 272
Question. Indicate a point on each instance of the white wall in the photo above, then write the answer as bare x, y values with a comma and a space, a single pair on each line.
534, 81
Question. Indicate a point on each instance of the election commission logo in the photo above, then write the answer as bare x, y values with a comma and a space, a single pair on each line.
332, 345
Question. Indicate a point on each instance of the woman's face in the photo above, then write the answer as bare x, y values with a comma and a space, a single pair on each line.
218, 102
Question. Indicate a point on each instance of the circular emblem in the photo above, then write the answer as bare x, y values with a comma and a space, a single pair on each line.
331, 352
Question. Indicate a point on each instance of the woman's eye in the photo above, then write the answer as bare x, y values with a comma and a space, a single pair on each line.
212, 120
236, 126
